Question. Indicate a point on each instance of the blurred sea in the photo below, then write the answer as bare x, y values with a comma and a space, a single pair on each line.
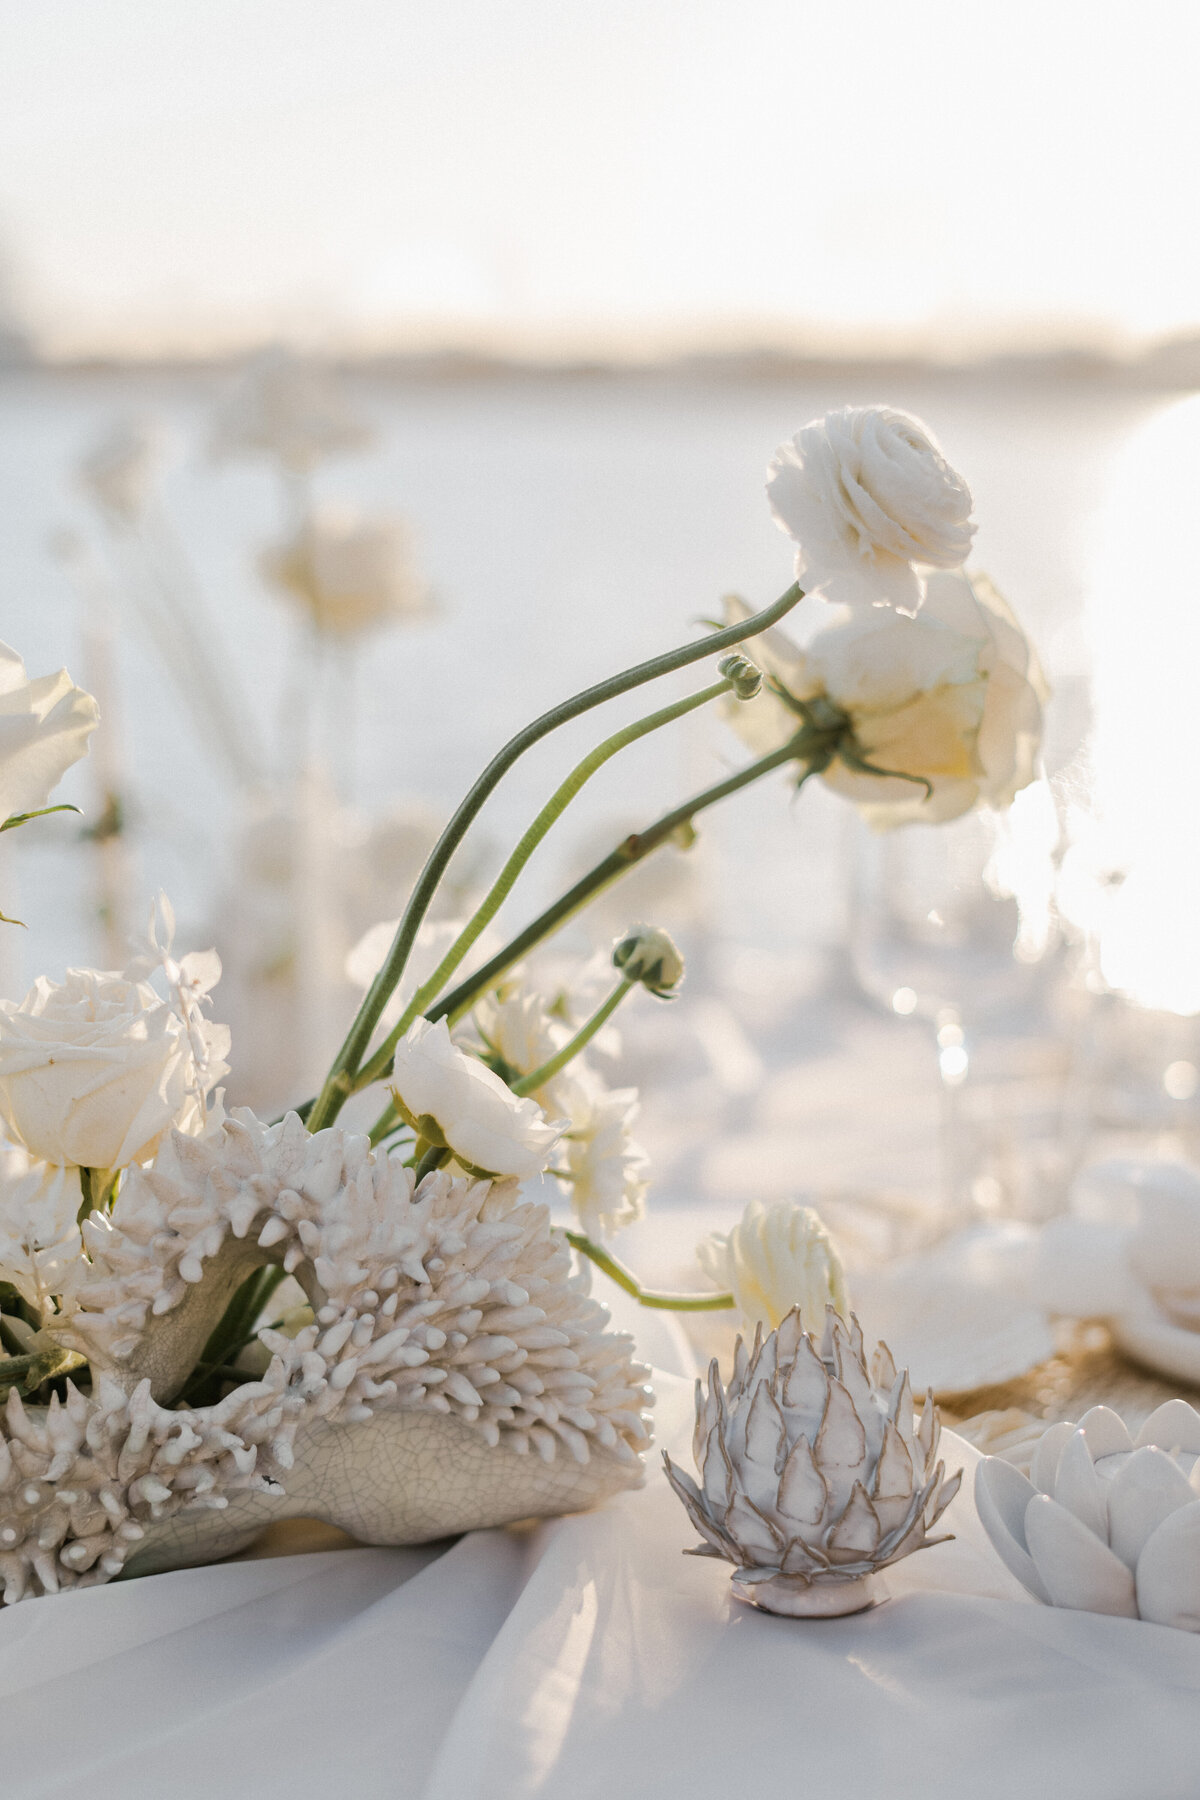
570, 525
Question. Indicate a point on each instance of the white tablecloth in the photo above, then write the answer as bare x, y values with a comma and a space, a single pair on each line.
585, 1658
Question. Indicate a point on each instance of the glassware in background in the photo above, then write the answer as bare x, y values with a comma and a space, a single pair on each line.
1129, 889
954, 924
1137, 982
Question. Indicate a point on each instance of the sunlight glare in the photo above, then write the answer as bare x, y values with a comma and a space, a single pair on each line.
1143, 615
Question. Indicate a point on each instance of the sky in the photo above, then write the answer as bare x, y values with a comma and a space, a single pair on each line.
181, 174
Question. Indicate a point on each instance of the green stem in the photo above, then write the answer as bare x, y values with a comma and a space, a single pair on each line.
97, 1187
553, 810
235, 1328
27, 1373
625, 1278
340, 1082
219, 1372
529, 1084
433, 1159
626, 856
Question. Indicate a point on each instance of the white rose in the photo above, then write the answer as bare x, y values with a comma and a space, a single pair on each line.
953, 697
867, 495
94, 1071
482, 1121
775, 1258
44, 728
39, 1231
349, 572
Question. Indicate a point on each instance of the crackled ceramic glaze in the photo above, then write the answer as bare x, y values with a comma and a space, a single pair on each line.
458, 1374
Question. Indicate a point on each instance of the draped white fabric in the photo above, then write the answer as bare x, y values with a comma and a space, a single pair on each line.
585, 1658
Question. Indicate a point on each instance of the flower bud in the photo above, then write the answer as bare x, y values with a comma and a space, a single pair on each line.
743, 676
649, 955
777, 1257
453, 1101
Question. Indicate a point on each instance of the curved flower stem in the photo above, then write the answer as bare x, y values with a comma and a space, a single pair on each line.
235, 1328
614, 865
626, 855
529, 1084
434, 1157
553, 810
625, 1278
340, 1082
97, 1187
26, 1373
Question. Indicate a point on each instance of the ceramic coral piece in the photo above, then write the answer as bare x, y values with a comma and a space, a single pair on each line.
456, 1375
814, 1474
1106, 1522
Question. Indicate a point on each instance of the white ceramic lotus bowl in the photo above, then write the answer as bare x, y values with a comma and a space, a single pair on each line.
1106, 1522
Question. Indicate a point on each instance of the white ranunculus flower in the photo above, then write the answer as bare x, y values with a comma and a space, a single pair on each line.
39, 1231
869, 499
44, 728
349, 572
607, 1171
482, 1121
953, 697
93, 1071
777, 1257
532, 1012
515, 1026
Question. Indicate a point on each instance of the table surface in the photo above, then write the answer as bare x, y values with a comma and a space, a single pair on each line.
585, 1657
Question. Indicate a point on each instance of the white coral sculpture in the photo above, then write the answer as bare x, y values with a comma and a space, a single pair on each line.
1106, 1522
814, 1475
456, 1374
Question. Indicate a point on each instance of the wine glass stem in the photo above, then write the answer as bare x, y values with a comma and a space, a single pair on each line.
955, 1158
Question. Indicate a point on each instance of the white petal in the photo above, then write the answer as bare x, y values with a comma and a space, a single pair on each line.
1168, 1572
764, 1430
1143, 1492
1045, 1457
1002, 1497
841, 1446
806, 1384
802, 1490
1076, 1569
856, 1532
1173, 1426
1077, 1487
1107, 1434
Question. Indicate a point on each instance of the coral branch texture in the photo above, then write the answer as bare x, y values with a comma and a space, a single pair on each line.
457, 1372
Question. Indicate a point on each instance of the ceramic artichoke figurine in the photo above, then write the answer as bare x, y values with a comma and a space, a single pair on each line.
813, 1474
456, 1375
1106, 1522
